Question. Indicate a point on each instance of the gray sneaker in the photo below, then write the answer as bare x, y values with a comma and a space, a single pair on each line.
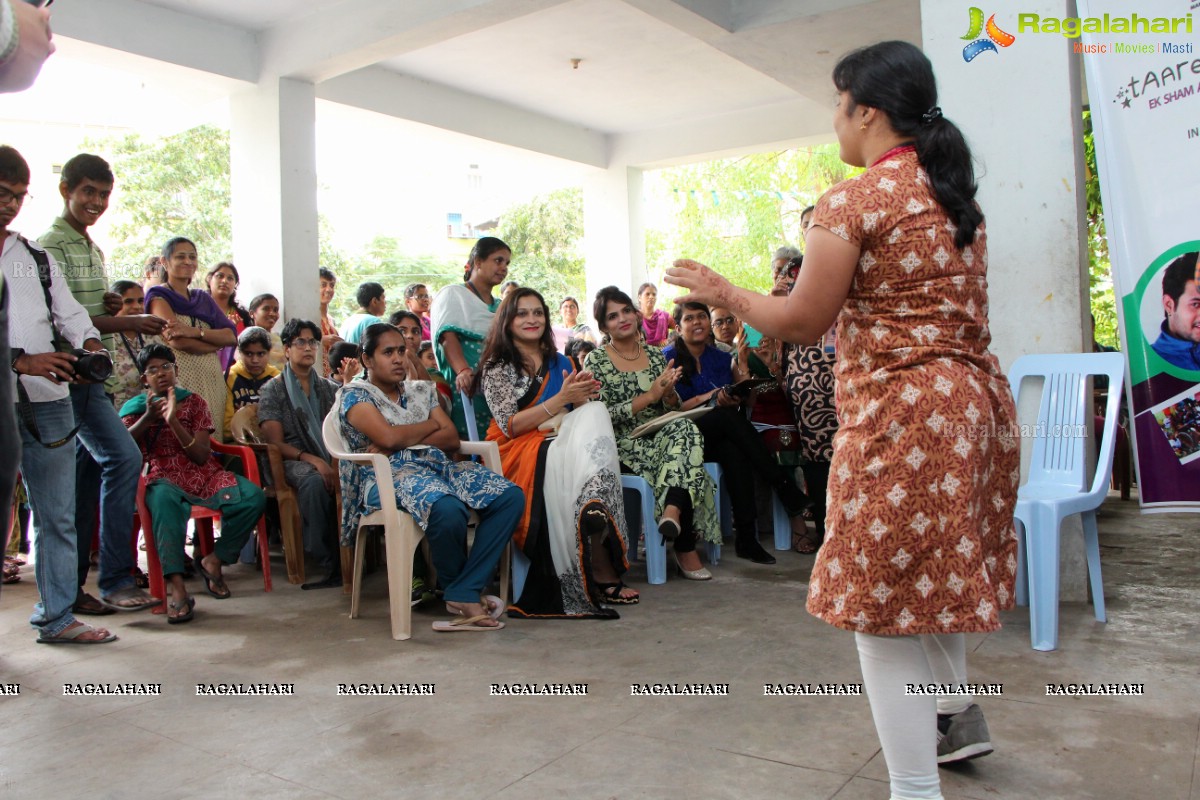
962, 736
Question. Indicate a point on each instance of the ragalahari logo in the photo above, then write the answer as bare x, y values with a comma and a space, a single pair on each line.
995, 36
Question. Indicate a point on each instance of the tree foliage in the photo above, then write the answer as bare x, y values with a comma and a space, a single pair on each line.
732, 214
1100, 287
545, 235
385, 260
174, 186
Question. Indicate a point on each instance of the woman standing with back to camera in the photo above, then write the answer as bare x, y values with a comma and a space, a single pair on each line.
920, 546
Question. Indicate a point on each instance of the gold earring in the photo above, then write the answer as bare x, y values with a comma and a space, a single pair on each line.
863, 127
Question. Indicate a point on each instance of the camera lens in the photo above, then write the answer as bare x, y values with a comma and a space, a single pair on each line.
94, 367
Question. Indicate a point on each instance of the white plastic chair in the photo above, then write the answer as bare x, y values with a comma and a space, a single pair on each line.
1057, 487
401, 532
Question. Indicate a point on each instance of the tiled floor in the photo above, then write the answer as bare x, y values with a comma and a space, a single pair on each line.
746, 628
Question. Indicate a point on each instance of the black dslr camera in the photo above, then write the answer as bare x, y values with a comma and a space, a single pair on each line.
95, 367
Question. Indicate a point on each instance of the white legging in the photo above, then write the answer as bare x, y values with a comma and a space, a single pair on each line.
907, 724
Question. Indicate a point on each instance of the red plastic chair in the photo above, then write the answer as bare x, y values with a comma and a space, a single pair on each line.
204, 528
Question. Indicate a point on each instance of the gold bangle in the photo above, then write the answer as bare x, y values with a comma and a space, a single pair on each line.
189, 444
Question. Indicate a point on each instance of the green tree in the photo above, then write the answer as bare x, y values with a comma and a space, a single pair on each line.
174, 186
1104, 303
384, 260
545, 236
733, 213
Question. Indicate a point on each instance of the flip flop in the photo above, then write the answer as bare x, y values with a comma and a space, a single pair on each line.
495, 606
71, 634
465, 624
615, 598
89, 606
143, 599
210, 580
182, 618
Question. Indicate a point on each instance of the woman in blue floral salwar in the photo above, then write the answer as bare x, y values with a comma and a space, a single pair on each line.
384, 411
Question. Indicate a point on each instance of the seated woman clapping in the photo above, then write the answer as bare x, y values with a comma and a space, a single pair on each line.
172, 426
571, 528
385, 411
638, 385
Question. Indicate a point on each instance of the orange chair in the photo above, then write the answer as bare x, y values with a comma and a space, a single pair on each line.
246, 432
204, 528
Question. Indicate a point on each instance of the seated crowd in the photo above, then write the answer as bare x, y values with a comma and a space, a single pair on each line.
126, 382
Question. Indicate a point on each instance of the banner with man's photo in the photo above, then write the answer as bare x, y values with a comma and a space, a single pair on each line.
1144, 92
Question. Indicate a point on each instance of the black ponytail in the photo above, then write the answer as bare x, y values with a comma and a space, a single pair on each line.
896, 78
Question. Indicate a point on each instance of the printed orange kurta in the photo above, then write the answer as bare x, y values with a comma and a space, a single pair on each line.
926, 462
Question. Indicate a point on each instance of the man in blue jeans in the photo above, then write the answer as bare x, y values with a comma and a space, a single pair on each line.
107, 461
47, 423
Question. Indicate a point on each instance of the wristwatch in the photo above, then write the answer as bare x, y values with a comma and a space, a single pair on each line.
17, 352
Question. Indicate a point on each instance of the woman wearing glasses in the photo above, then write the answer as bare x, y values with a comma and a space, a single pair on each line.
291, 409
172, 426
418, 299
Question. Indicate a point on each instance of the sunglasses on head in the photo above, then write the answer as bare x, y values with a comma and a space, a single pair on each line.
40, 3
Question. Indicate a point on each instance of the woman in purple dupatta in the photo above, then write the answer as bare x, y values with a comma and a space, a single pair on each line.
202, 337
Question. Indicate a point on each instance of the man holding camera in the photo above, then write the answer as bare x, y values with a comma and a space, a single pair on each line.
107, 461
40, 303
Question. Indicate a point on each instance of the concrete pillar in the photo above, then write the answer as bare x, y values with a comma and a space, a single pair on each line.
1020, 109
273, 151
614, 235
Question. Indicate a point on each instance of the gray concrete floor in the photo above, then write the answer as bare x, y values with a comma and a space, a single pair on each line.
745, 628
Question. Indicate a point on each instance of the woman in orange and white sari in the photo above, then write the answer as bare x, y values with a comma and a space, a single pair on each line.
572, 530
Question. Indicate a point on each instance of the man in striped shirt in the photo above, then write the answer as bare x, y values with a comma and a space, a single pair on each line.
107, 461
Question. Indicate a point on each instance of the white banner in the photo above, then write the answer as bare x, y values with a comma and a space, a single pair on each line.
1142, 62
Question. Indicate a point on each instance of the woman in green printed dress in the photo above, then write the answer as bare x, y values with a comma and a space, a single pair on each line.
637, 384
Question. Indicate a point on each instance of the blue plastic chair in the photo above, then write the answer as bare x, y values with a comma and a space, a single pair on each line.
656, 550
724, 509
1057, 486
780, 520
469, 416
520, 561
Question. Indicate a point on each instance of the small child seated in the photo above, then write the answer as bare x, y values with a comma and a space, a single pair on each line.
248, 374
577, 350
343, 362
445, 392
172, 427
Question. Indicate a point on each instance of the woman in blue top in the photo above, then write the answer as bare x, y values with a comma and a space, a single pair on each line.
729, 437
383, 411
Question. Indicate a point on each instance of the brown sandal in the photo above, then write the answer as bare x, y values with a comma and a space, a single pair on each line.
806, 543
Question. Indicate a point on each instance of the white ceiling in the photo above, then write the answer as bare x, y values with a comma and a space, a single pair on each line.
700, 76
255, 15
635, 72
